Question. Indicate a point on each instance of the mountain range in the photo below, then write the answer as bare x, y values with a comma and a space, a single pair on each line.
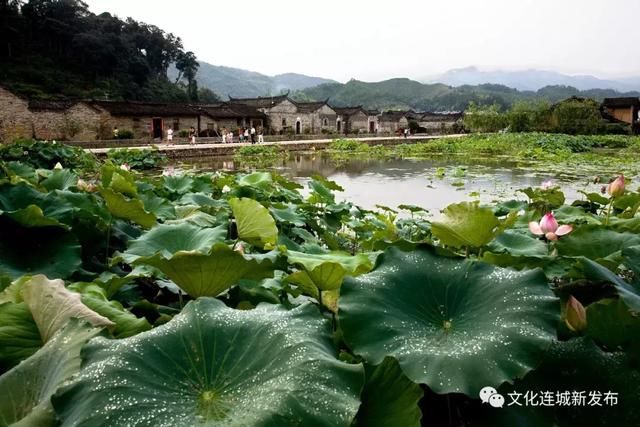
531, 79
451, 91
239, 83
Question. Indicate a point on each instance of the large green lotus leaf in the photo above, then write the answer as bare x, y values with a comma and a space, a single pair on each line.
159, 206
389, 398
95, 297
611, 324
26, 390
255, 180
61, 179
596, 272
326, 277
123, 184
178, 184
129, 209
518, 244
212, 365
168, 239
52, 305
19, 335
455, 325
32, 216
353, 264
47, 250
211, 274
631, 259
466, 224
200, 199
595, 242
288, 214
575, 365
255, 223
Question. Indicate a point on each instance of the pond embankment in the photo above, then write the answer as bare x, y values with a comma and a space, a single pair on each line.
217, 149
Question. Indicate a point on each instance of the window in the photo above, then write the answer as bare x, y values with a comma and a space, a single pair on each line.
176, 124
284, 123
325, 122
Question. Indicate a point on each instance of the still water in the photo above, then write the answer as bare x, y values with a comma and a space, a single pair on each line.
431, 183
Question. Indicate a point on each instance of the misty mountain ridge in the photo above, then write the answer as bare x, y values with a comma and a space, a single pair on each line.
531, 79
239, 83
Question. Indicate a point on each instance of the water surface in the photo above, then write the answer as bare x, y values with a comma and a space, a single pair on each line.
431, 183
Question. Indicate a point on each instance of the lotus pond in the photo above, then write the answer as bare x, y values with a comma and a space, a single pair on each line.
191, 298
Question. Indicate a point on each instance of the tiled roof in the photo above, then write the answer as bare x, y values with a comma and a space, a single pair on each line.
260, 102
621, 102
394, 115
147, 108
349, 111
440, 116
228, 110
310, 107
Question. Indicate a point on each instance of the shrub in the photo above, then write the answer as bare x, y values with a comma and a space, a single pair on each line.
125, 134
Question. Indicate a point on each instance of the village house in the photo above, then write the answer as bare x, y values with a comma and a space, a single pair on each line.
623, 109
149, 119
226, 116
439, 122
356, 120
287, 116
394, 121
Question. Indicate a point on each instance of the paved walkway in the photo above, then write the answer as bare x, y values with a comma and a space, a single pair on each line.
320, 143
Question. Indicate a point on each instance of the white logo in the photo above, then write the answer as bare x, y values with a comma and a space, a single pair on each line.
490, 395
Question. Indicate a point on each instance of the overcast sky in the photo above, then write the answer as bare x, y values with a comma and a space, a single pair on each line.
375, 40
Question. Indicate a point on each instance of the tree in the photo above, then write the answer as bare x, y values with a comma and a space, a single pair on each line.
577, 116
187, 66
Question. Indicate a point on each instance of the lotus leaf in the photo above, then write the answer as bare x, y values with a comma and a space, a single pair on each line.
208, 366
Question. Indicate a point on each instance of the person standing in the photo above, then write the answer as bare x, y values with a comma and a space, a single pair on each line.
406, 133
170, 136
192, 135
115, 132
253, 134
224, 135
246, 135
230, 137
261, 135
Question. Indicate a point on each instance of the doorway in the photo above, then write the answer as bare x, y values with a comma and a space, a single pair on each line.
298, 128
157, 128
372, 127
339, 125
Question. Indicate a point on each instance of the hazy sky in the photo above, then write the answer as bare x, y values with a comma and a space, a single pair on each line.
374, 40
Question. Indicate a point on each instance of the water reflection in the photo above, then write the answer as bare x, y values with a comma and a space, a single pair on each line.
431, 183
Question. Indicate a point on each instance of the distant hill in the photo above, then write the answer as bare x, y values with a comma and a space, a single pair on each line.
531, 79
410, 94
236, 82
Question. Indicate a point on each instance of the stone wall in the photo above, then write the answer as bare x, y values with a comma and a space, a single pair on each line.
80, 122
286, 111
15, 117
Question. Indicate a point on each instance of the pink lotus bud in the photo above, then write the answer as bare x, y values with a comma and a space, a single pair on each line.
58, 166
548, 223
575, 315
240, 248
125, 167
546, 185
616, 187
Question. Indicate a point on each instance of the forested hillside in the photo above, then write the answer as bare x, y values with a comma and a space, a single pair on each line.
406, 94
59, 48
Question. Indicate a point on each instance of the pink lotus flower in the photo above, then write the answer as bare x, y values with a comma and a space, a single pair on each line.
125, 167
549, 228
616, 187
547, 185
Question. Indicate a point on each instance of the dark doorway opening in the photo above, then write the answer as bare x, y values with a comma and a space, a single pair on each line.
339, 126
372, 127
157, 128
298, 128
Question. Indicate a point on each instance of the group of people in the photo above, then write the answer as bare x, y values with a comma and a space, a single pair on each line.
191, 134
244, 135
